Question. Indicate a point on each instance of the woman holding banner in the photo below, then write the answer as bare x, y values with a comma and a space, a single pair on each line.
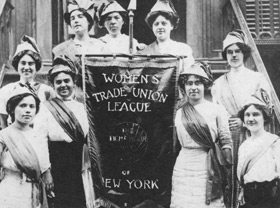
63, 121
162, 19
259, 156
203, 132
113, 16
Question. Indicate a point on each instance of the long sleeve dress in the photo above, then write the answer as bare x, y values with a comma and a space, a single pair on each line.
190, 170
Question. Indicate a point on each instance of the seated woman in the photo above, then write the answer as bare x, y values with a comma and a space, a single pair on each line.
162, 19
258, 168
113, 17
26, 61
202, 129
22, 155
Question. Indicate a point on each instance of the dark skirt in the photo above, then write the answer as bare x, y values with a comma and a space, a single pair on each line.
262, 195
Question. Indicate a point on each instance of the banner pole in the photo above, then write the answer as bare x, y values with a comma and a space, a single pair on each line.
131, 8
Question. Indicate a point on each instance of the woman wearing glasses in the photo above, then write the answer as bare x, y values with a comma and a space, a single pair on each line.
233, 88
202, 128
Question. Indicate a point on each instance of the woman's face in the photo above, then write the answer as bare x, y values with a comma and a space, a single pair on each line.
27, 67
64, 85
113, 23
25, 110
194, 88
162, 28
253, 119
235, 57
79, 22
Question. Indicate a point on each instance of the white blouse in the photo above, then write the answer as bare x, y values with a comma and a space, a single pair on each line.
267, 167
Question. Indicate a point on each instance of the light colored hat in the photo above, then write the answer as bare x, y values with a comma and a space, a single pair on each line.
236, 36
199, 69
162, 6
28, 46
85, 6
105, 9
62, 64
260, 97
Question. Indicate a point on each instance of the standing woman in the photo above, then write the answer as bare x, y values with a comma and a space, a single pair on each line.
113, 17
20, 151
27, 61
202, 127
233, 89
80, 18
163, 19
258, 167
63, 121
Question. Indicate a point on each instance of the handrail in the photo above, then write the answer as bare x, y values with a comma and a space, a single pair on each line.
256, 55
2, 74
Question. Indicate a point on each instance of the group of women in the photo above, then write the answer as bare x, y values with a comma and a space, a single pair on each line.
43, 141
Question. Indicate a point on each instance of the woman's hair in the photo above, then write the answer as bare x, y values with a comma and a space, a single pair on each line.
35, 56
15, 100
183, 78
174, 19
265, 111
52, 76
103, 18
246, 50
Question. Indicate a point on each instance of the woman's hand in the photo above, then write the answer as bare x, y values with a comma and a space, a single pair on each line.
48, 180
141, 46
235, 123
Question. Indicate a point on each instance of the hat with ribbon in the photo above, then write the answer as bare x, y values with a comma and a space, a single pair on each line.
62, 64
105, 9
259, 97
28, 46
85, 6
162, 6
236, 36
199, 69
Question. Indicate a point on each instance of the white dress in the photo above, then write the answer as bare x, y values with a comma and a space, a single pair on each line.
190, 170
15, 191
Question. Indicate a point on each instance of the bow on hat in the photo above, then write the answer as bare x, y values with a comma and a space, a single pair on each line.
260, 97
236, 36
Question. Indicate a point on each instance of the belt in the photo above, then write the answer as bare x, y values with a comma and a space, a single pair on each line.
17, 174
262, 185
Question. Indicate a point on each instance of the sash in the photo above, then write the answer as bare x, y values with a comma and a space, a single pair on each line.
227, 96
27, 161
199, 131
255, 156
66, 119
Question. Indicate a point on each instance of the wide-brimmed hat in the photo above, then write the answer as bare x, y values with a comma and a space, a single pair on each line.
85, 6
105, 9
28, 46
236, 36
199, 69
162, 6
62, 64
